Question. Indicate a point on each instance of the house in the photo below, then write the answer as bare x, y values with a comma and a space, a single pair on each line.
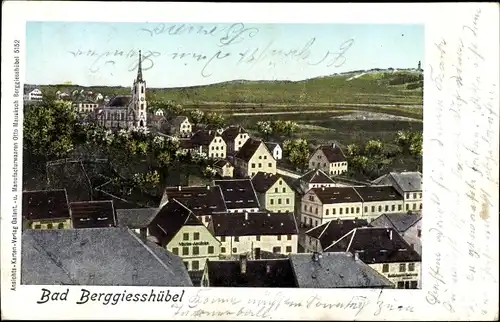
203, 201
335, 270
97, 256
322, 236
224, 168
209, 142
157, 121
46, 209
187, 146
180, 126
314, 178
384, 250
93, 214
136, 219
85, 106
235, 137
32, 94
378, 200
408, 225
253, 157
328, 158
320, 205
408, 184
252, 232
274, 192
177, 229
248, 273
239, 195
275, 149
159, 112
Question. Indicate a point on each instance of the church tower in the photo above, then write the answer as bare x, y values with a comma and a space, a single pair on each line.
139, 97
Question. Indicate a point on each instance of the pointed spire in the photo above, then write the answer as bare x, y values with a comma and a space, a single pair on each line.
139, 68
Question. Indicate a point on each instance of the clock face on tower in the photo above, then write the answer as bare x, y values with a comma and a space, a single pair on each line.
142, 99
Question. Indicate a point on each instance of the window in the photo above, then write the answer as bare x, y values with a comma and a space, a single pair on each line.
260, 156
386, 207
237, 238
279, 237
49, 226
38, 226
393, 207
269, 165
326, 212
195, 265
413, 284
407, 206
272, 203
257, 238
175, 250
366, 208
60, 226
196, 250
223, 249
253, 165
210, 249
407, 196
284, 189
379, 208
402, 267
185, 250
411, 267
265, 157
414, 206
186, 264
185, 236
277, 249
420, 195
419, 233
289, 237
196, 236
346, 210
414, 196
260, 165
305, 207
235, 250
275, 190
401, 284
340, 211
279, 201
288, 249
420, 206
352, 210
400, 207
333, 211
373, 208
316, 211
385, 268
315, 223
287, 201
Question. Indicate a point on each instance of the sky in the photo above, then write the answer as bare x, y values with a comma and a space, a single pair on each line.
190, 54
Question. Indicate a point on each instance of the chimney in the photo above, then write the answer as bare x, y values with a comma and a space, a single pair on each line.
268, 268
243, 264
356, 256
179, 188
208, 187
246, 215
390, 234
334, 145
315, 257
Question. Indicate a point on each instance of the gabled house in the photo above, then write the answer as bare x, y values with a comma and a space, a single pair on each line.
253, 157
180, 126
97, 256
46, 209
251, 233
274, 193
314, 178
408, 184
275, 150
32, 94
209, 142
408, 225
384, 250
378, 200
328, 158
239, 195
93, 214
322, 236
235, 137
157, 121
224, 168
177, 229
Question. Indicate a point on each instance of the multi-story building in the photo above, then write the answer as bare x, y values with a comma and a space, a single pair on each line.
93, 214
274, 192
328, 158
275, 149
239, 195
253, 157
320, 205
46, 209
224, 168
85, 106
408, 184
32, 94
384, 250
180, 126
209, 142
251, 233
235, 137
203, 201
408, 225
322, 236
177, 229
314, 178
378, 200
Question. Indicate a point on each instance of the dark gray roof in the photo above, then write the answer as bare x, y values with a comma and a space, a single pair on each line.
232, 132
333, 153
178, 120
262, 181
97, 256
204, 137
135, 218
405, 181
201, 200
93, 214
238, 193
333, 230
331, 195
45, 204
376, 245
120, 101
399, 221
316, 176
248, 149
271, 145
335, 270
255, 224
221, 163
378, 193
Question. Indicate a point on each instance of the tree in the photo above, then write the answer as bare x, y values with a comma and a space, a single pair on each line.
297, 152
352, 149
373, 148
209, 172
264, 128
147, 181
196, 116
214, 119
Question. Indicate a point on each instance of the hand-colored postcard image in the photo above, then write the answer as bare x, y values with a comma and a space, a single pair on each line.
222, 155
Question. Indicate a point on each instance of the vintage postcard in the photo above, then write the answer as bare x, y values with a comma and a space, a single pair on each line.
250, 161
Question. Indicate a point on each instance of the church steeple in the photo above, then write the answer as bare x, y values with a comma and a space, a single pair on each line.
139, 68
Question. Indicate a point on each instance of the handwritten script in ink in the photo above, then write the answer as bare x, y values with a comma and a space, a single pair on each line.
269, 54
465, 123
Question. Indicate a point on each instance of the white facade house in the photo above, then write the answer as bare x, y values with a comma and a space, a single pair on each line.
34, 94
275, 150
409, 184
239, 195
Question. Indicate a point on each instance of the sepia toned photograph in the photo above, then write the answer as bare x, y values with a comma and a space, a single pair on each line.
222, 155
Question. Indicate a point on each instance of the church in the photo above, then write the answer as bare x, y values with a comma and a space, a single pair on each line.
127, 111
